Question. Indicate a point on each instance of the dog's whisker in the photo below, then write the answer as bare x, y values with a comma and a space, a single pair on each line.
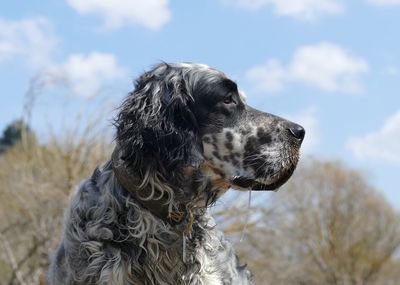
247, 218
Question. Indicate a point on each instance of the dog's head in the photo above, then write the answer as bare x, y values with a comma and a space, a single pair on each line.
190, 115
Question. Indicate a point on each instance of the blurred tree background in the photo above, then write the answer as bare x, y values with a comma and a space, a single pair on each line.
36, 180
13, 134
327, 225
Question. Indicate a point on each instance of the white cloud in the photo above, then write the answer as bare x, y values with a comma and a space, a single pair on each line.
300, 9
85, 75
384, 2
391, 70
328, 67
268, 77
152, 14
31, 40
309, 121
383, 144
325, 66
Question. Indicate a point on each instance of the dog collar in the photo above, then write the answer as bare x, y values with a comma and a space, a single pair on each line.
157, 206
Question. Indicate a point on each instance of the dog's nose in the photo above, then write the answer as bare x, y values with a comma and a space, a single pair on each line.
297, 131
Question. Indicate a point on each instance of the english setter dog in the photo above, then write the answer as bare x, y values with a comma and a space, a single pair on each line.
184, 136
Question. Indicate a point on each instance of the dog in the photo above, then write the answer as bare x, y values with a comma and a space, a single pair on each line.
184, 136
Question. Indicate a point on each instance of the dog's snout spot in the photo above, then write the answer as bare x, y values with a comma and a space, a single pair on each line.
234, 160
207, 139
245, 132
216, 154
251, 144
229, 145
263, 136
229, 136
229, 140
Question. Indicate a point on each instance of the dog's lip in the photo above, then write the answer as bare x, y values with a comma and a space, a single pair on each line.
256, 185
253, 184
267, 187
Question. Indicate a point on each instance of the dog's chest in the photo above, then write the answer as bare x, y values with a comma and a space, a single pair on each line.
213, 258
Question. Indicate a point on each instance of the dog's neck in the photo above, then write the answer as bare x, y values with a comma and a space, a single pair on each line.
156, 203
160, 203
181, 251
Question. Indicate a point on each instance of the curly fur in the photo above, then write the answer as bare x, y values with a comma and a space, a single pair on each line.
181, 143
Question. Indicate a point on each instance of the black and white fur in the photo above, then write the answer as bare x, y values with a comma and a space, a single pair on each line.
184, 137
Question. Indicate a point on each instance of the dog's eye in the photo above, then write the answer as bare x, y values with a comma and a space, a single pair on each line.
228, 99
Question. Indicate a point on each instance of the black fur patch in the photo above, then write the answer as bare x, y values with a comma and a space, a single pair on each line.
229, 136
229, 145
263, 136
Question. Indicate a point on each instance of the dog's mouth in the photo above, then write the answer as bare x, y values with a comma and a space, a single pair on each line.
258, 185
250, 183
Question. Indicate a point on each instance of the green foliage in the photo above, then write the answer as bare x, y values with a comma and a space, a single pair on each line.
13, 134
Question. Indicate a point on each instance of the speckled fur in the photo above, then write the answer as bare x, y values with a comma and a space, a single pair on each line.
109, 239
183, 139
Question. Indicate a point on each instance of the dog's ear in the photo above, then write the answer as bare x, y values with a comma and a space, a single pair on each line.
156, 125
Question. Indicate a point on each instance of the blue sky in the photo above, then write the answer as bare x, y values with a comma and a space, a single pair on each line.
332, 65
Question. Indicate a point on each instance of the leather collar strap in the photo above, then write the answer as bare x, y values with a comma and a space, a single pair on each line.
158, 206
